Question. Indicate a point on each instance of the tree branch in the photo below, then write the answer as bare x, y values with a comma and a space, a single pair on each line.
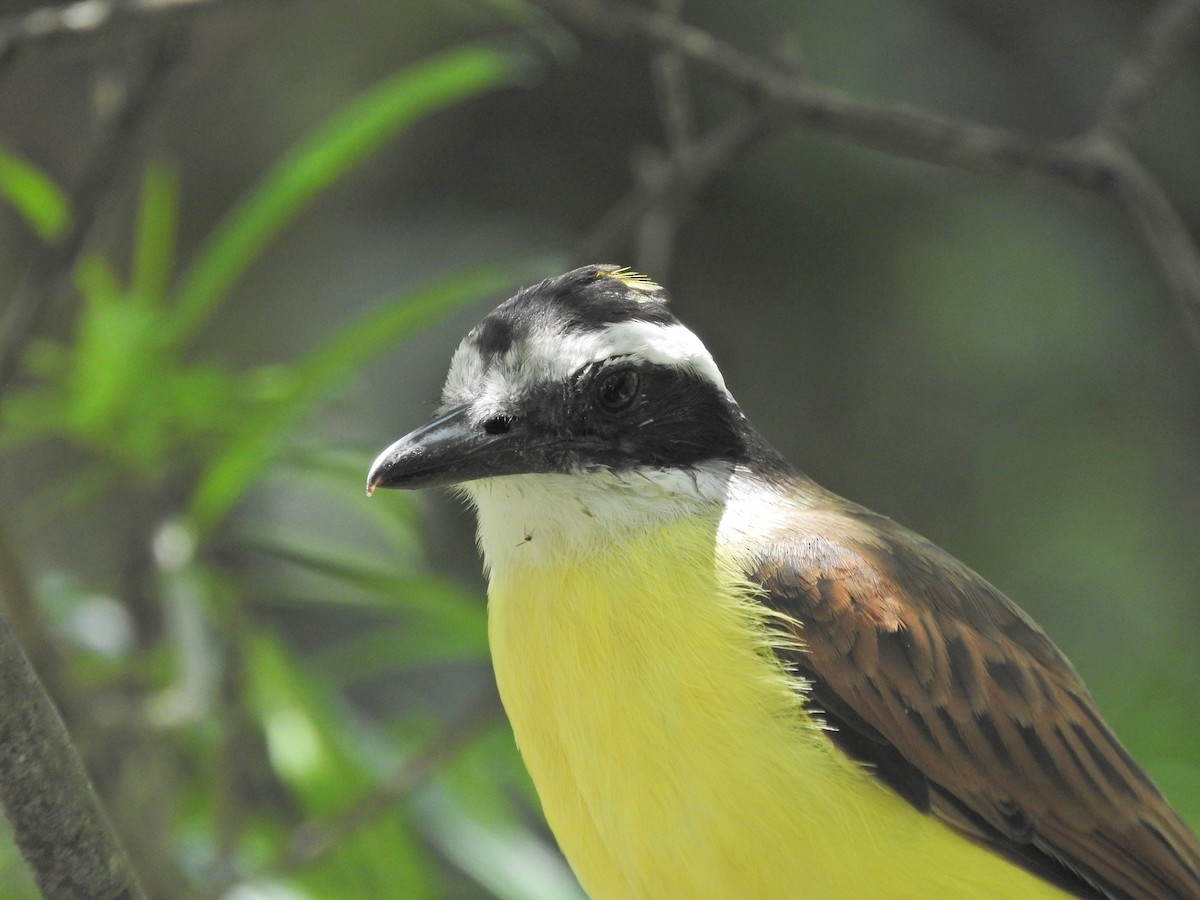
659, 222
50, 26
679, 174
895, 129
1096, 161
1164, 232
60, 827
19, 606
1171, 27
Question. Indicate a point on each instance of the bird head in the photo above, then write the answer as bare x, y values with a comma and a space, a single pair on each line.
589, 372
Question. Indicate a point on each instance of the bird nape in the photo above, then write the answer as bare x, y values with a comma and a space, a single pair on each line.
727, 681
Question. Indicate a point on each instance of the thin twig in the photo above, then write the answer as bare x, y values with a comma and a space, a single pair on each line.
1096, 161
1168, 31
1164, 231
659, 223
50, 26
896, 129
670, 79
683, 174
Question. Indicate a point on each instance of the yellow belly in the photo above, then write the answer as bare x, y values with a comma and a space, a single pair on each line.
671, 755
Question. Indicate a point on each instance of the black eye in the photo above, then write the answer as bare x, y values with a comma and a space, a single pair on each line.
616, 391
498, 425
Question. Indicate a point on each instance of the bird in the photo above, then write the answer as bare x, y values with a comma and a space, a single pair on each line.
728, 682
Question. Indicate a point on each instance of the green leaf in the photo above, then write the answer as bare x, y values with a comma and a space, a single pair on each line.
34, 195
343, 140
111, 355
400, 589
380, 651
154, 243
488, 779
338, 473
510, 860
311, 747
257, 444
97, 282
304, 734
122, 393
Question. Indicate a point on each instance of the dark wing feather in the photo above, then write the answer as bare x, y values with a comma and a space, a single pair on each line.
961, 703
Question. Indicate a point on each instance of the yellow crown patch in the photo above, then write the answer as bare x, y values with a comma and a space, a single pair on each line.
635, 280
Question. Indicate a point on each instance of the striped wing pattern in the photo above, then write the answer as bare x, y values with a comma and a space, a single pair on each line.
961, 703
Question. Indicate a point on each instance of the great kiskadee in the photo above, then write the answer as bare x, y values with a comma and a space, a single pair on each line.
728, 682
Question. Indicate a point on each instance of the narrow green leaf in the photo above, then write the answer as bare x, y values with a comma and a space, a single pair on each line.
511, 861
112, 365
346, 138
395, 587
154, 243
311, 747
384, 326
97, 282
257, 444
381, 651
482, 777
338, 474
34, 195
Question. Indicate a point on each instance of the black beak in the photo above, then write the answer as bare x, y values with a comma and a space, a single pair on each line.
452, 449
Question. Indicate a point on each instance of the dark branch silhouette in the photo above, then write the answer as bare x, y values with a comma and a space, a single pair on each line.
57, 820
1098, 160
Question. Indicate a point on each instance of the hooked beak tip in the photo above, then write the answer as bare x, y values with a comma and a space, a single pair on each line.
374, 479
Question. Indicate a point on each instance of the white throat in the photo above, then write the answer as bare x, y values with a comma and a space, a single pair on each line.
534, 520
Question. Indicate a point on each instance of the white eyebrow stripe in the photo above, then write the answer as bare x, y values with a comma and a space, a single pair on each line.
550, 356
667, 345
670, 345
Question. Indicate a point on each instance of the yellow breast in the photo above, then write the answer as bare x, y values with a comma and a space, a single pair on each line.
671, 753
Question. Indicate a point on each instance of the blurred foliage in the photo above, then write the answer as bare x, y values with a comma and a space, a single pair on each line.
34, 194
278, 688
265, 747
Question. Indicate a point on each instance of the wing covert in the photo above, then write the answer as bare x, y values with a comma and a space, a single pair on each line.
964, 706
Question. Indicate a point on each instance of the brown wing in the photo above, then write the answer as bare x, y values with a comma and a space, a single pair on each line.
962, 704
